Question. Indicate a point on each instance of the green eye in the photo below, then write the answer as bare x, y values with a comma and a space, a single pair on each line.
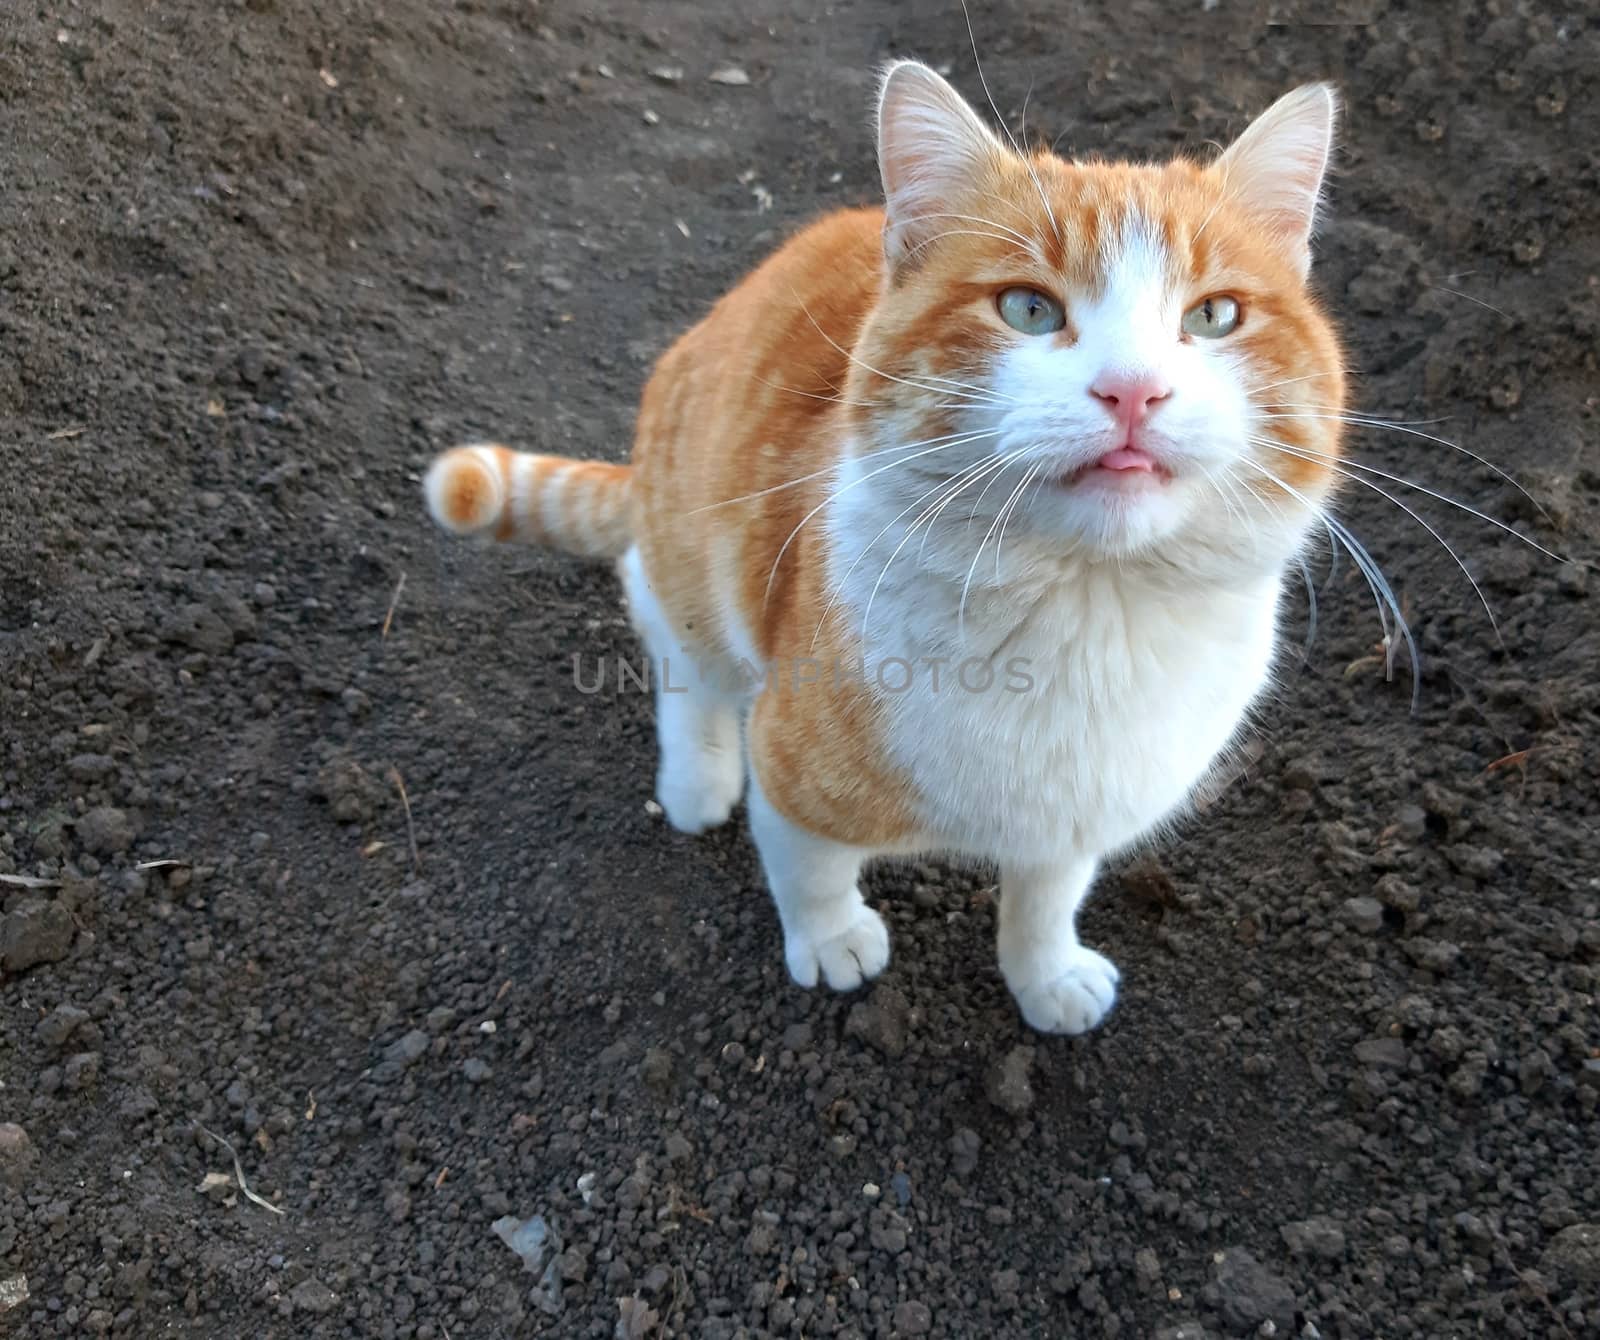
1031, 312
1212, 318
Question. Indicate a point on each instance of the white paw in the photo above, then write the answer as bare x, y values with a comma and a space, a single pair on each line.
702, 797
846, 959
1074, 997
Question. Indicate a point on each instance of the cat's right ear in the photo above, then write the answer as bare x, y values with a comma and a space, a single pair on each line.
932, 147
1275, 169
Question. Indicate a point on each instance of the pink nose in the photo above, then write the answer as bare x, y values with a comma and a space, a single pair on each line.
1130, 396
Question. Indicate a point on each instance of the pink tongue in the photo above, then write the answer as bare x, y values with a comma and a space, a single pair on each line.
1127, 458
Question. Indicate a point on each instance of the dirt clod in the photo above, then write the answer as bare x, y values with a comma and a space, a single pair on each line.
314, 1297
37, 930
17, 1155
353, 794
1321, 1237
1383, 1053
913, 1318
81, 1071
106, 831
1573, 1255
60, 1024
408, 1048
200, 628
1009, 1082
882, 1021
1364, 914
965, 1145
1246, 1294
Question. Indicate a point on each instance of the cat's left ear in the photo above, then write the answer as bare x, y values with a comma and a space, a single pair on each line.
932, 149
1276, 168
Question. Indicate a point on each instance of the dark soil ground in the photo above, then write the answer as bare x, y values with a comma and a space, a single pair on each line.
259, 259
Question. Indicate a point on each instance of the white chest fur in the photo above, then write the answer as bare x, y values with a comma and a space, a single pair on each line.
1059, 715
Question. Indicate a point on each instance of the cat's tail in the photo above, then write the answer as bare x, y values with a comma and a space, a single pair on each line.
580, 507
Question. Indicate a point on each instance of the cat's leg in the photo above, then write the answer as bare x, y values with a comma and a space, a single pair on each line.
702, 763
698, 710
828, 929
1060, 985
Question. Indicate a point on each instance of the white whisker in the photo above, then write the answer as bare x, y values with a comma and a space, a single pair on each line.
1341, 463
1035, 472
838, 589
1418, 518
989, 466
1288, 381
1210, 478
832, 468
966, 586
1280, 409
983, 493
1311, 607
1023, 238
1006, 459
1222, 199
1305, 567
1044, 200
968, 232
1358, 421
1382, 593
975, 395
1479, 301
953, 441
838, 399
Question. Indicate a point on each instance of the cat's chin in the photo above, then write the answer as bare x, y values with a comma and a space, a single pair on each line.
1117, 514
1122, 482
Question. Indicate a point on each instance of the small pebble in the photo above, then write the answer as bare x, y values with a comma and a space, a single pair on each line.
1364, 914
1008, 1084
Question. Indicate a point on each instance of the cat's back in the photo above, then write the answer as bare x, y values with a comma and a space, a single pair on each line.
805, 303
771, 354
739, 424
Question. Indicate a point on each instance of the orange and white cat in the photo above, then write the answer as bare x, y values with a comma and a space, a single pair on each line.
1000, 451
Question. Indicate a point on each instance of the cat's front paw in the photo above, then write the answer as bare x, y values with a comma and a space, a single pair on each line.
844, 960
1073, 997
703, 796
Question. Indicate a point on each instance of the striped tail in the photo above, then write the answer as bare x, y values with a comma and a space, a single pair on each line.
580, 507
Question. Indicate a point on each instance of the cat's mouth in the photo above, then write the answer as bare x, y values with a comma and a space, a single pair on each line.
1126, 467
1128, 458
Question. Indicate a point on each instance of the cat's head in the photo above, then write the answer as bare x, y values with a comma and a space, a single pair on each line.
1112, 359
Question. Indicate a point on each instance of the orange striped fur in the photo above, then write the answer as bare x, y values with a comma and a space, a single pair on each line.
580, 507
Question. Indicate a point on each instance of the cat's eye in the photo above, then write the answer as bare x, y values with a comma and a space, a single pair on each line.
1031, 312
1212, 318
